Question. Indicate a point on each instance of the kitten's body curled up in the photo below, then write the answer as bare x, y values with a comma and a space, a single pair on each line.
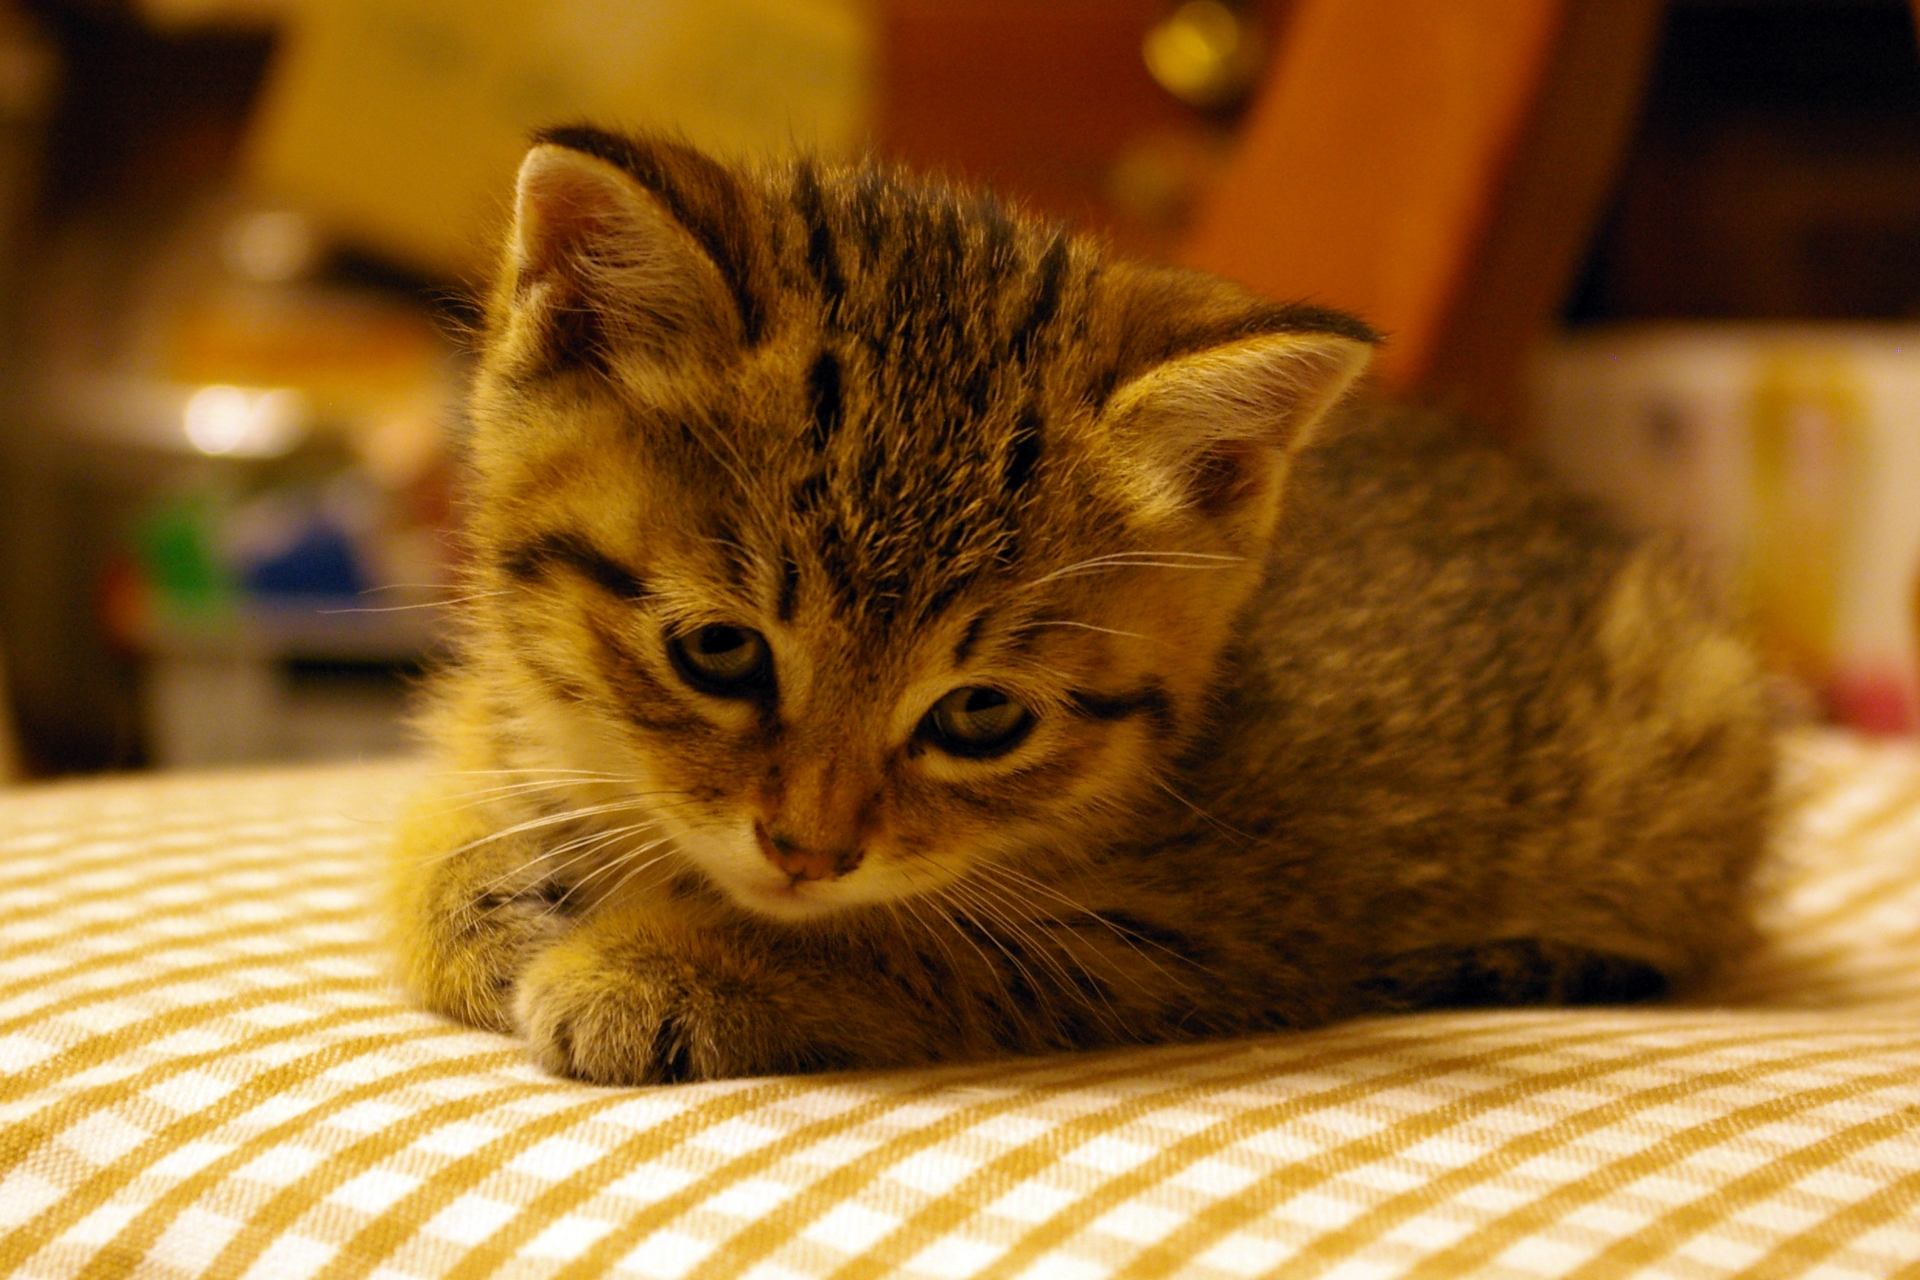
901, 633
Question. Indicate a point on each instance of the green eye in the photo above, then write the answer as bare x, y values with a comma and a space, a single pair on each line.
726, 662
976, 723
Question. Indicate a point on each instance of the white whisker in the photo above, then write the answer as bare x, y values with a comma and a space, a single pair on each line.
590, 844
933, 905
953, 961
627, 873
1086, 626
528, 787
418, 604
1042, 949
1134, 941
1144, 559
535, 824
1246, 840
967, 909
1052, 948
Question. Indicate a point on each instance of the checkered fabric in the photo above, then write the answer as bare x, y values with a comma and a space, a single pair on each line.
203, 1071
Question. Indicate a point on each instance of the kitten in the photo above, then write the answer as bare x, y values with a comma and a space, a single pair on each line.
900, 632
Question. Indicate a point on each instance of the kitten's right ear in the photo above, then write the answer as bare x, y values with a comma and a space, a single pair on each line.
1211, 433
598, 268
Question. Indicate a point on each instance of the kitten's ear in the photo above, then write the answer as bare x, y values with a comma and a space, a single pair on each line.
599, 266
1211, 433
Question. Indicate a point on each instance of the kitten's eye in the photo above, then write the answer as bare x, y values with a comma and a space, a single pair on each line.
727, 662
976, 723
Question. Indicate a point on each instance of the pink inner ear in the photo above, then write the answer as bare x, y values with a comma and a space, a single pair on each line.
563, 208
1227, 474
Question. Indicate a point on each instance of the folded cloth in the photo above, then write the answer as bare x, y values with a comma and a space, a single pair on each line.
205, 1071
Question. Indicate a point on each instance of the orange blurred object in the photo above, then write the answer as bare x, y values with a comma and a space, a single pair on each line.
1437, 167
1369, 167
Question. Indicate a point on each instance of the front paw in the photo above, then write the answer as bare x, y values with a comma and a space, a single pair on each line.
659, 1010
469, 966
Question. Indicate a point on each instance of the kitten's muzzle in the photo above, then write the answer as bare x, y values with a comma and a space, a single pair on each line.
802, 863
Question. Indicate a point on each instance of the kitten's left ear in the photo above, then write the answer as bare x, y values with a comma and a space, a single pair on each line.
1211, 433
597, 263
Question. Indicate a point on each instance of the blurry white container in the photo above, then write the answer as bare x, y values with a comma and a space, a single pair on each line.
1789, 457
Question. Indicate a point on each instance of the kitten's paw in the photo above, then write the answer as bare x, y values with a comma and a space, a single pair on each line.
485, 948
657, 1014
600, 1032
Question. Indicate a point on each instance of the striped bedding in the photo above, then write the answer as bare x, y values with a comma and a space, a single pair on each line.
204, 1072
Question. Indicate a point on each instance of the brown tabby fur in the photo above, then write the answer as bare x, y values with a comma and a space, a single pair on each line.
1426, 734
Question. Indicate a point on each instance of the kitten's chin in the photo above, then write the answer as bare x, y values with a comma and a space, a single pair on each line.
789, 902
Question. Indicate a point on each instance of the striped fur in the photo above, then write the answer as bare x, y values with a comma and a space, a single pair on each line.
1421, 733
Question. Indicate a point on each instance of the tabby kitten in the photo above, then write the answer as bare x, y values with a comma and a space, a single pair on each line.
889, 643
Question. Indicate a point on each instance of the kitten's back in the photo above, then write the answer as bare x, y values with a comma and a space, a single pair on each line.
1470, 708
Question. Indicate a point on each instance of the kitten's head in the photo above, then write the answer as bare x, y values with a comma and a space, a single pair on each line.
872, 529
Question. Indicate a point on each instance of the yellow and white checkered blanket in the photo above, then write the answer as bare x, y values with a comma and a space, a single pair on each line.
203, 1071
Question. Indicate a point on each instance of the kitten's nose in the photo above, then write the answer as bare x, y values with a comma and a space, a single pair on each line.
802, 863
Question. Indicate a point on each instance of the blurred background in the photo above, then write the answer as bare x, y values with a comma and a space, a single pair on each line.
1669, 250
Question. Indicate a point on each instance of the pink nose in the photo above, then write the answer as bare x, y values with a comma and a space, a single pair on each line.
803, 863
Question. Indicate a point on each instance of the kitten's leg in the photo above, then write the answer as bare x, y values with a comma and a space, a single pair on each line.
1517, 971
466, 909
633, 996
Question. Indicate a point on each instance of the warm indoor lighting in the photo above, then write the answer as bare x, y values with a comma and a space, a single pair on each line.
245, 422
272, 246
1206, 54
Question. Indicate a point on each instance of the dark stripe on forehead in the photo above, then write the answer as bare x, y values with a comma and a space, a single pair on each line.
789, 590
823, 256
954, 239
823, 393
976, 388
942, 596
1023, 453
1045, 301
531, 562
869, 198
1149, 701
810, 493
997, 230
739, 570
964, 650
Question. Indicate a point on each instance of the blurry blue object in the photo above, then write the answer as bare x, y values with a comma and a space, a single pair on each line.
320, 562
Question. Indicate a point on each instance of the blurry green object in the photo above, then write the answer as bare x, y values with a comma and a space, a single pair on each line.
176, 543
